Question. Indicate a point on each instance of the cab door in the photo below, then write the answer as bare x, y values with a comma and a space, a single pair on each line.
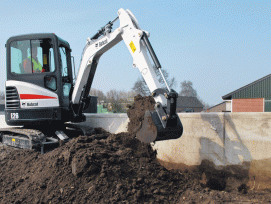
66, 74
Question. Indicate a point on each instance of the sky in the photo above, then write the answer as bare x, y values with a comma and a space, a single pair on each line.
219, 45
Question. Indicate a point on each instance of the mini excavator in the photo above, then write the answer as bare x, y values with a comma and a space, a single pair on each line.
43, 98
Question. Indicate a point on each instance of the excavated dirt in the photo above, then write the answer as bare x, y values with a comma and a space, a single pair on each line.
137, 111
117, 169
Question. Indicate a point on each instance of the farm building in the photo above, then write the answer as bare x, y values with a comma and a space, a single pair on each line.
225, 106
254, 97
188, 104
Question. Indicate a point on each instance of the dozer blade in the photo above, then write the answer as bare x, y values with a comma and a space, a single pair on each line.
152, 129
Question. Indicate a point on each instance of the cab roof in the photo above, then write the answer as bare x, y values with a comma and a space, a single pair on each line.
35, 36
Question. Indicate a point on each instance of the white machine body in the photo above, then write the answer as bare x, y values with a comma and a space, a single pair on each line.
39, 98
130, 32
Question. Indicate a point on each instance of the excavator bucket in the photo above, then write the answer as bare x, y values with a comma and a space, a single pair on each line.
152, 129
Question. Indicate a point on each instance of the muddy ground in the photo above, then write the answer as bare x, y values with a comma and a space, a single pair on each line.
116, 169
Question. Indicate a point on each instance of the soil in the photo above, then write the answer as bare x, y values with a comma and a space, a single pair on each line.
116, 169
137, 111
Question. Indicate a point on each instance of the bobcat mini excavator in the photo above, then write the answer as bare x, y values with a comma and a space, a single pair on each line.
43, 98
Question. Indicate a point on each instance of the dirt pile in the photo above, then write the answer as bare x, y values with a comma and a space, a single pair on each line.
85, 170
115, 169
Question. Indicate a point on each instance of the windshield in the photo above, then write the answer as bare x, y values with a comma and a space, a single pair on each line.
32, 56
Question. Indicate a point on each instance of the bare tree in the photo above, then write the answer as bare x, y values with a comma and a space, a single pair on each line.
118, 101
131, 94
187, 89
114, 99
140, 86
205, 105
113, 95
101, 96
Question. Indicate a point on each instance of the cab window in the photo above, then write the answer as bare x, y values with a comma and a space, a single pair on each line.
66, 83
63, 56
32, 56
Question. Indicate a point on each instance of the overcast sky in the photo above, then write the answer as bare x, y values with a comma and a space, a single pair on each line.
218, 45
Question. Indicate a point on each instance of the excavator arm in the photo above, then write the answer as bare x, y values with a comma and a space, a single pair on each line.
165, 120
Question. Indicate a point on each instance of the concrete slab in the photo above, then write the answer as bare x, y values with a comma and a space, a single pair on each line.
3, 122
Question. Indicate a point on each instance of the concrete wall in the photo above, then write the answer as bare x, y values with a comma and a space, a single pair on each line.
236, 143
179, 110
113, 123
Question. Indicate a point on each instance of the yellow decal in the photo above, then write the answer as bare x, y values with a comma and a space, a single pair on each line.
13, 140
44, 59
132, 46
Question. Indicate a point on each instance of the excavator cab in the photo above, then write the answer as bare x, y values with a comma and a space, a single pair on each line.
39, 79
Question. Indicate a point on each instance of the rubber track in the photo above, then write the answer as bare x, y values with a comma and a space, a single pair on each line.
31, 134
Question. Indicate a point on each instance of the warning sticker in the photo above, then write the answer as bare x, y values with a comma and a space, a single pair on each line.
132, 46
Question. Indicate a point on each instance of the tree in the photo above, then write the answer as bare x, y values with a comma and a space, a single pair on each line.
117, 101
187, 89
99, 94
131, 94
114, 100
113, 95
140, 86
205, 105
117, 107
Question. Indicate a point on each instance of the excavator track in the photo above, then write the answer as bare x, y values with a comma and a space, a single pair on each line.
22, 138
42, 138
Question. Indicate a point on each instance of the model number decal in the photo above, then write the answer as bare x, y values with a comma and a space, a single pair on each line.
14, 116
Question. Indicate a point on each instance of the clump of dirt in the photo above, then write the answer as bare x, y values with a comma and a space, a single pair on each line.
115, 169
137, 111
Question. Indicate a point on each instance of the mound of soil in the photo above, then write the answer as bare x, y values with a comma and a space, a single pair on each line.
116, 169
86, 170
